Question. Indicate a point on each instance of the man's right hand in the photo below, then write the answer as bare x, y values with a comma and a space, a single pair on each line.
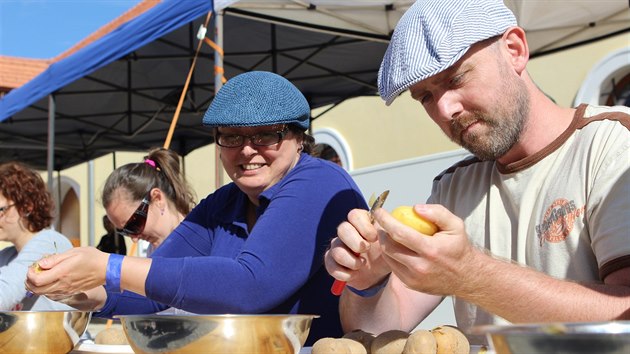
354, 255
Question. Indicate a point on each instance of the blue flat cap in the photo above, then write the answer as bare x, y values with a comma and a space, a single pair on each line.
434, 34
258, 98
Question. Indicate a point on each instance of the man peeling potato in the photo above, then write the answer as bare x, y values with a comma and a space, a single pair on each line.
532, 228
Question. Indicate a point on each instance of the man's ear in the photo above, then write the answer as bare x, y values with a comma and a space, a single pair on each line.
516, 48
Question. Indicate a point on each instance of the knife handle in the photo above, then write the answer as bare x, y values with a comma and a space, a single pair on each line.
337, 287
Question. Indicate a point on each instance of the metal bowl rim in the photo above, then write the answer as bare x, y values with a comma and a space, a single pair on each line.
556, 328
215, 316
46, 311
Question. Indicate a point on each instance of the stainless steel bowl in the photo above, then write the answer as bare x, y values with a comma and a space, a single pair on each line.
216, 333
41, 331
559, 338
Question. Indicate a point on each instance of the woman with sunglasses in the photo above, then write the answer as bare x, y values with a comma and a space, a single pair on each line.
143, 201
255, 245
147, 200
26, 210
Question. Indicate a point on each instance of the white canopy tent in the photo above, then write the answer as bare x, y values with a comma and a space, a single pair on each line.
113, 96
550, 24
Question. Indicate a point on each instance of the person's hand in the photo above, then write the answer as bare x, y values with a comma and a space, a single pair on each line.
354, 255
72, 272
91, 300
442, 264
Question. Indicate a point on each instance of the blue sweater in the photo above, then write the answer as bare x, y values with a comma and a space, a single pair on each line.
211, 264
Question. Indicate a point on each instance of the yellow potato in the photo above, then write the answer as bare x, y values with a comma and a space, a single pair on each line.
390, 342
37, 268
330, 345
408, 216
420, 341
365, 338
450, 340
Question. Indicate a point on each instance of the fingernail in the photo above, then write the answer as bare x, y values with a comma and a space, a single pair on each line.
421, 207
29, 294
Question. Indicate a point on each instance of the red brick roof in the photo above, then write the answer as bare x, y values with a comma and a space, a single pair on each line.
16, 71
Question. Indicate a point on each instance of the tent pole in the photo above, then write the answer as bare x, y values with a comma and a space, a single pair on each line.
51, 155
91, 203
218, 77
51, 141
60, 226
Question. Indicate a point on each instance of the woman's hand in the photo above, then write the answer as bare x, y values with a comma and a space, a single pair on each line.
72, 272
91, 300
355, 255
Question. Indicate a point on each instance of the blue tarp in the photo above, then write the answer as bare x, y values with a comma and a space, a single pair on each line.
121, 92
149, 26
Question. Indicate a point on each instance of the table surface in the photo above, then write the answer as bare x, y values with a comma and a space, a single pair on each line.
90, 348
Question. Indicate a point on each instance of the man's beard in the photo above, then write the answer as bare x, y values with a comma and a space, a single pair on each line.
504, 126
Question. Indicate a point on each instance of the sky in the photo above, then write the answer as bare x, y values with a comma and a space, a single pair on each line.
43, 29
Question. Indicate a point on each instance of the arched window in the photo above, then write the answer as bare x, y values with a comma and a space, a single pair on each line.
65, 193
334, 147
327, 152
620, 92
608, 83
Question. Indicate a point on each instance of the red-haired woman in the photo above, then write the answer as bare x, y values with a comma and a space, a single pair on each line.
25, 217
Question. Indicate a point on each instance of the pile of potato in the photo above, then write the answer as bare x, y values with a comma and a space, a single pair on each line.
439, 340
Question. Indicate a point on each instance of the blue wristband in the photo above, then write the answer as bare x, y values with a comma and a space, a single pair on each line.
112, 275
371, 291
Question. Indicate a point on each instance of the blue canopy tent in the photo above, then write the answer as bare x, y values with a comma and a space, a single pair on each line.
24, 134
149, 26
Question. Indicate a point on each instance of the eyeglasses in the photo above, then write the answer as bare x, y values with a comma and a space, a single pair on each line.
137, 221
4, 209
260, 139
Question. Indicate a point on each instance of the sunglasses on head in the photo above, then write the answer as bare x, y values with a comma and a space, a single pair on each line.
135, 224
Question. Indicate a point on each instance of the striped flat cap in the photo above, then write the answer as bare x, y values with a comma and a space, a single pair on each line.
434, 34
258, 98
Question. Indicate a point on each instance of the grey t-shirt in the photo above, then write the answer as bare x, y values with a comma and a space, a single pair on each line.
14, 266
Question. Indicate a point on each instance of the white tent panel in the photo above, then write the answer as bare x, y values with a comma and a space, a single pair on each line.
550, 24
